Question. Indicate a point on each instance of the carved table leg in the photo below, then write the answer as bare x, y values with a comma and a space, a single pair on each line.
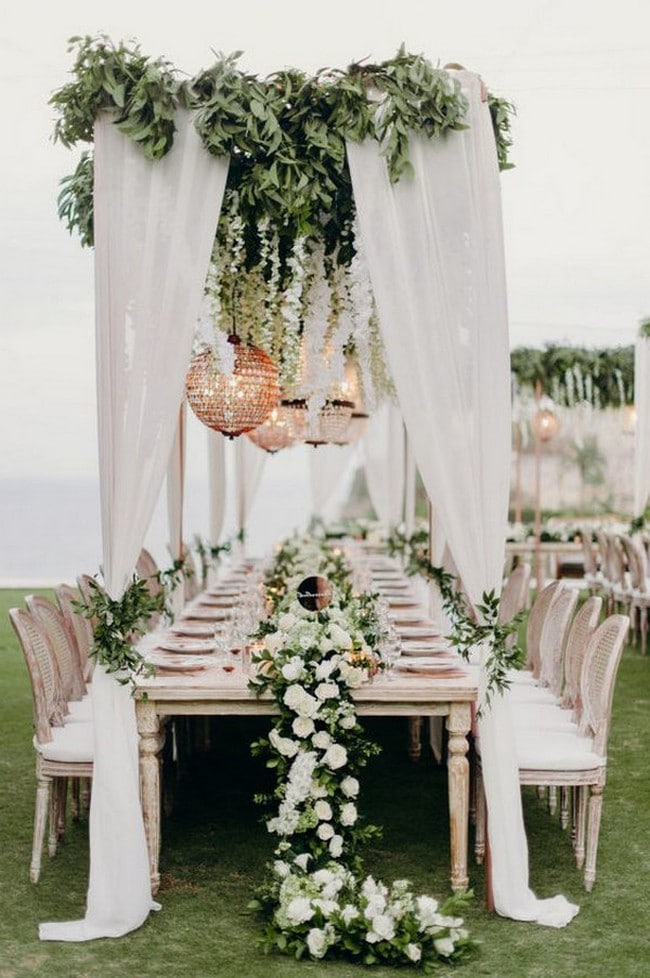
415, 738
151, 740
458, 726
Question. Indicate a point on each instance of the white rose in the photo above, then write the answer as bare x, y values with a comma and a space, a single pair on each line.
302, 860
339, 637
348, 814
335, 756
302, 726
413, 952
299, 910
300, 701
274, 642
281, 868
323, 810
444, 946
324, 831
317, 942
283, 745
292, 669
349, 913
351, 676
426, 908
318, 790
350, 787
328, 907
323, 876
322, 740
382, 929
336, 846
325, 668
327, 691
347, 722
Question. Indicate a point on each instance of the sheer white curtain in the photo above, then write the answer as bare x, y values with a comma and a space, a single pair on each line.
384, 463
154, 229
434, 248
216, 484
175, 490
642, 429
329, 468
249, 466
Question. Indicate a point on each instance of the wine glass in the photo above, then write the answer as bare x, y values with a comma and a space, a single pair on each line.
391, 649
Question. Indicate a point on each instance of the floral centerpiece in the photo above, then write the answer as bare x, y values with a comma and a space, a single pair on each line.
316, 901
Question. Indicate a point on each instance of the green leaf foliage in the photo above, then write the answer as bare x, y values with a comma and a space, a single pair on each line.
285, 134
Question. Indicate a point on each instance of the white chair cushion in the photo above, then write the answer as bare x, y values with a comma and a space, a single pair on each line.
80, 711
73, 742
532, 694
556, 752
542, 717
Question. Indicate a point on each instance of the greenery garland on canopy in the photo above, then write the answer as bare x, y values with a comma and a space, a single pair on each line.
286, 267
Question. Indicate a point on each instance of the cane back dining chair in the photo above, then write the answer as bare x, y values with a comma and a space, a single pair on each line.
63, 751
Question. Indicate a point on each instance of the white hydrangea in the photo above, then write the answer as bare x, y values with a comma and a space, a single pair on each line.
281, 869
299, 910
302, 861
286, 621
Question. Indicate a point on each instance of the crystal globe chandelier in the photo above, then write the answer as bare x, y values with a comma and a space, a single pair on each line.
237, 402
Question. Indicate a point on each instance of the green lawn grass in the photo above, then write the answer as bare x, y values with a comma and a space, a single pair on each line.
214, 850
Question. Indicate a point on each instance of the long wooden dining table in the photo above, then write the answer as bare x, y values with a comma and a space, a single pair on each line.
209, 691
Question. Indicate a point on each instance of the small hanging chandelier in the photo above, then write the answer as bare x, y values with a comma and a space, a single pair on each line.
237, 402
330, 424
276, 432
350, 389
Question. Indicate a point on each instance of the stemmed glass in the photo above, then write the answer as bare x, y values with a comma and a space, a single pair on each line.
390, 648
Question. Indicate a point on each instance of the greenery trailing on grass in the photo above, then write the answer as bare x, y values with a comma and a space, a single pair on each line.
467, 633
213, 849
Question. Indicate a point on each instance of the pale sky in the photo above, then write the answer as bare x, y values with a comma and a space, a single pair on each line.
576, 208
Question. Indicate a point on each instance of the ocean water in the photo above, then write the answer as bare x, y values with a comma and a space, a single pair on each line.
50, 531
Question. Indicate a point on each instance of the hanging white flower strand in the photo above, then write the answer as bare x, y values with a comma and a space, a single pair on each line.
291, 313
314, 381
362, 310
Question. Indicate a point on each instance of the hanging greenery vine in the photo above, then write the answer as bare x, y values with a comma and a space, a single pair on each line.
466, 632
119, 622
285, 134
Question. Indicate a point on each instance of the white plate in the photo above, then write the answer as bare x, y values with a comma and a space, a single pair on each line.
420, 666
202, 613
400, 601
418, 631
187, 645
178, 663
196, 629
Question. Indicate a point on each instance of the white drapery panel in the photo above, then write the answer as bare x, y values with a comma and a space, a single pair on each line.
249, 466
434, 247
384, 463
175, 491
216, 484
642, 428
154, 228
329, 466
176, 487
410, 489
